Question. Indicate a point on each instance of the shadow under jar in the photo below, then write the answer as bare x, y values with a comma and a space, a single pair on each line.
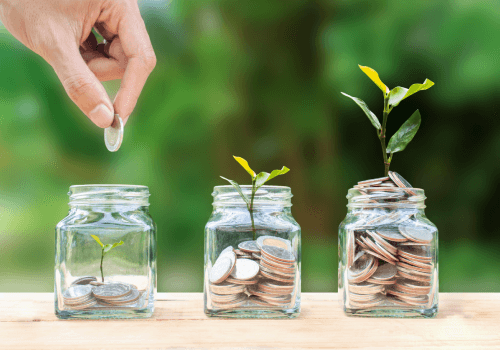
252, 267
96, 280
388, 254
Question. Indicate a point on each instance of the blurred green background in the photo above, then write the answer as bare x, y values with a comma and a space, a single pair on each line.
261, 79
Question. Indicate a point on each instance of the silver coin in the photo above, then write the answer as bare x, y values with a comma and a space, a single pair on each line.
391, 235
225, 298
111, 290
385, 272
245, 269
130, 298
77, 292
221, 269
274, 242
85, 299
90, 303
278, 253
416, 234
380, 180
228, 253
226, 288
113, 135
249, 247
84, 280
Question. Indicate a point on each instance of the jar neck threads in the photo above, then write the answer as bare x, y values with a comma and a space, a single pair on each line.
265, 197
108, 195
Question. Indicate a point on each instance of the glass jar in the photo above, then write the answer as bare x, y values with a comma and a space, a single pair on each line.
105, 259
388, 254
252, 262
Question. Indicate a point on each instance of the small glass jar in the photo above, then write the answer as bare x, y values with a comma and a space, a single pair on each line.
105, 259
388, 254
252, 265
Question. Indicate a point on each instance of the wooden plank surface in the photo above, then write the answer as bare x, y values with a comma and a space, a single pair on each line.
465, 321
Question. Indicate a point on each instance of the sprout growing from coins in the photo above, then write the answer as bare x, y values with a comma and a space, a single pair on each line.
392, 98
105, 248
257, 181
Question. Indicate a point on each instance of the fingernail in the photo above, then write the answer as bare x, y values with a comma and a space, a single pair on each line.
102, 116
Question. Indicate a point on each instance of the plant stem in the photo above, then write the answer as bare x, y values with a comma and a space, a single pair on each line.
250, 209
102, 257
382, 136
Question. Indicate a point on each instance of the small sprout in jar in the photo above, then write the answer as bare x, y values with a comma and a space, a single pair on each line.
105, 248
258, 180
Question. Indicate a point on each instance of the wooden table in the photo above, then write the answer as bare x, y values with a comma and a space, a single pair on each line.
465, 321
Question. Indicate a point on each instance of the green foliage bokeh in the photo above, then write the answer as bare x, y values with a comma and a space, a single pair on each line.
262, 79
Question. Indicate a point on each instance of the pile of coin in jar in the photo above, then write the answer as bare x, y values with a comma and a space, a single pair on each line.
389, 256
259, 273
88, 293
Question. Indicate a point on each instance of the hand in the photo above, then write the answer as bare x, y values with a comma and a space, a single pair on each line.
61, 32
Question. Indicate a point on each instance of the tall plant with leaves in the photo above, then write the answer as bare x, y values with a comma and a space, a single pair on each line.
392, 98
105, 248
258, 180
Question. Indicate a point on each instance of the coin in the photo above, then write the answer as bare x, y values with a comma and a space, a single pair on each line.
275, 242
221, 269
416, 234
111, 290
416, 268
401, 182
77, 292
385, 272
415, 253
113, 135
84, 280
226, 288
245, 269
389, 247
132, 297
277, 254
351, 247
249, 247
379, 180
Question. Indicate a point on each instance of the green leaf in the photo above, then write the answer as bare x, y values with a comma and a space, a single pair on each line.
400, 93
263, 177
397, 95
373, 118
108, 247
97, 240
245, 165
238, 188
373, 75
405, 134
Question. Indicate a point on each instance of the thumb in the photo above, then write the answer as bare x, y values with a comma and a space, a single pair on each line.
83, 87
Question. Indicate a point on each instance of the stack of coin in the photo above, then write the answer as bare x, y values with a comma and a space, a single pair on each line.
79, 297
258, 273
116, 294
86, 292
389, 255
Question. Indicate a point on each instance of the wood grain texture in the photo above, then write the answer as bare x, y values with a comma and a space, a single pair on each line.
465, 321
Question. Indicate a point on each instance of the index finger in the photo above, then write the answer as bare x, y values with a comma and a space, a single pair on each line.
141, 60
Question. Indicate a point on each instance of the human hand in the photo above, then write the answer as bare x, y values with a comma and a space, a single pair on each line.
61, 32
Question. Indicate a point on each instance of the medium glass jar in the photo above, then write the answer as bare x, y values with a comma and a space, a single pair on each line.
252, 267
388, 254
105, 259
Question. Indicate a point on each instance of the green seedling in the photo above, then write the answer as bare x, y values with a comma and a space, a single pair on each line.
105, 248
257, 181
392, 98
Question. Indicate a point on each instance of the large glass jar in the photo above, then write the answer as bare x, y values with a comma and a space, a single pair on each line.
388, 253
105, 259
252, 262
